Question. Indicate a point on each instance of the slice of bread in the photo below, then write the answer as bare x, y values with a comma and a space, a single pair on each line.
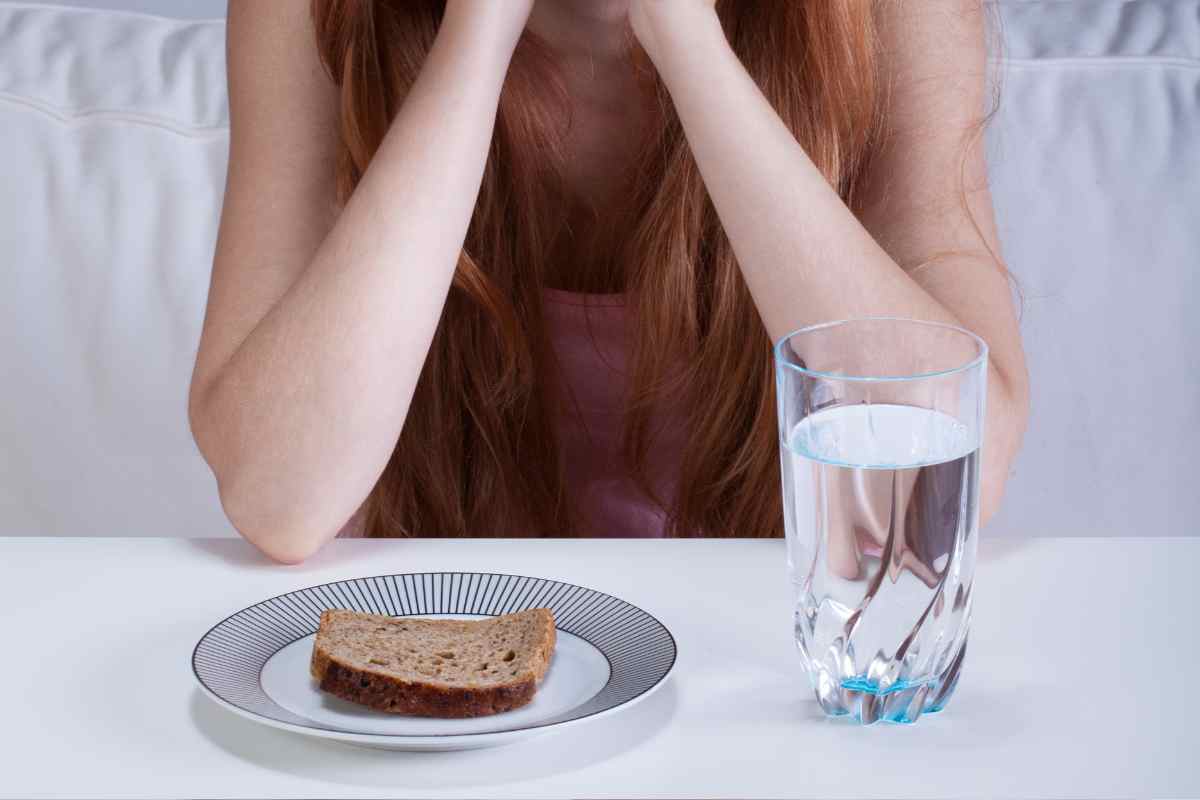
433, 667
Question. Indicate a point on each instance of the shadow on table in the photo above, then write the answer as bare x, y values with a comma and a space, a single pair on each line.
981, 715
571, 749
240, 553
1001, 548
977, 718
235, 552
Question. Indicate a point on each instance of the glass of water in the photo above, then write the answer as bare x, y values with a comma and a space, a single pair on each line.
880, 425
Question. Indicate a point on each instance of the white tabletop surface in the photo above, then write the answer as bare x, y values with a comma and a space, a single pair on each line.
1080, 680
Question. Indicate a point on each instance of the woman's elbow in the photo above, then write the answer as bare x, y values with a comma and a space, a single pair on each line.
1006, 432
203, 420
286, 531
282, 537
287, 554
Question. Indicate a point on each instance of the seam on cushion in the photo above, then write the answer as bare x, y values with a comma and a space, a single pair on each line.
121, 12
1102, 61
100, 115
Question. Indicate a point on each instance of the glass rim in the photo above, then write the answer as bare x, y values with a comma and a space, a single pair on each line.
981, 358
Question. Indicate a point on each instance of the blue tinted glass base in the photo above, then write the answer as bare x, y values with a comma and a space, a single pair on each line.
867, 702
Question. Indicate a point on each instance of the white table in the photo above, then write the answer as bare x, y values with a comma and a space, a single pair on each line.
1081, 679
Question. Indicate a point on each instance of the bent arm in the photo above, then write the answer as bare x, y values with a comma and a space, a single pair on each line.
317, 329
795, 238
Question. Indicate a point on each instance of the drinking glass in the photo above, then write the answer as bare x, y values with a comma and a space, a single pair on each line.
880, 427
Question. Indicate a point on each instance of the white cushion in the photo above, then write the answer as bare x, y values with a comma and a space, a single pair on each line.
113, 138
1096, 173
112, 151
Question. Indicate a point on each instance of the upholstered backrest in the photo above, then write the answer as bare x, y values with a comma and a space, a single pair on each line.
113, 137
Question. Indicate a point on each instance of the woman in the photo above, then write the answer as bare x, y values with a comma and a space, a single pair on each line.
514, 268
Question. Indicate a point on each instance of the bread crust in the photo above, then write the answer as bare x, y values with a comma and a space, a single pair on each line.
392, 694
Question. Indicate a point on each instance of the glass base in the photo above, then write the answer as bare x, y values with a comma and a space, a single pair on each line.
867, 702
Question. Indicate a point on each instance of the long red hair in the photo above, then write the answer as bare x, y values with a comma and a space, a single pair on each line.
478, 455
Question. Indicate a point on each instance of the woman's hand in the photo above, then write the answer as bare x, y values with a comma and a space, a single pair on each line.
656, 21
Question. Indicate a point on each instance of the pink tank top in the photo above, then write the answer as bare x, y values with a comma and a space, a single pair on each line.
588, 333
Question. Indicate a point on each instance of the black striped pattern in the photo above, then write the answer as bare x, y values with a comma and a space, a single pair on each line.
229, 659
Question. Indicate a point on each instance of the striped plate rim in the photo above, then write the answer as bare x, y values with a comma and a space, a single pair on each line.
228, 659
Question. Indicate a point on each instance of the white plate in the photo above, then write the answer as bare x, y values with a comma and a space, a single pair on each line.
609, 655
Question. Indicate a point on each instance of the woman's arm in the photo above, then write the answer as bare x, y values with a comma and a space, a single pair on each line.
317, 330
795, 238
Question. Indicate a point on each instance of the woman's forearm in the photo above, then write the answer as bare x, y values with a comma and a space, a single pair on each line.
805, 256
299, 423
